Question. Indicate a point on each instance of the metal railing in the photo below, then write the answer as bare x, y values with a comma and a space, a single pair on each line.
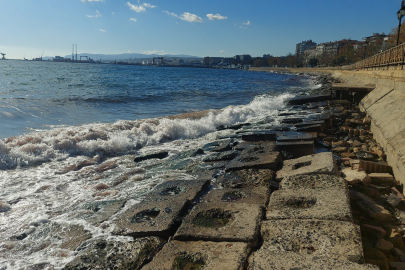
392, 57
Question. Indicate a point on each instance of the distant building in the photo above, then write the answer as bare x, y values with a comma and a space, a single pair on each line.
242, 58
303, 46
266, 56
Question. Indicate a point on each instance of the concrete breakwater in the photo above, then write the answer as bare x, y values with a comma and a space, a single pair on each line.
262, 199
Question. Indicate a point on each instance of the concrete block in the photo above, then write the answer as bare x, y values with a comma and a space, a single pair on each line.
333, 239
351, 176
252, 195
103, 254
179, 190
313, 181
275, 260
150, 218
257, 156
262, 136
322, 163
244, 178
322, 204
382, 179
200, 255
99, 211
291, 136
311, 128
297, 149
234, 222
372, 209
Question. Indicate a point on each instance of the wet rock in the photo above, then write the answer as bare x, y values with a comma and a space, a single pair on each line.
234, 222
100, 211
384, 245
228, 155
196, 152
291, 120
373, 229
308, 99
234, 127
365, 156
262, 136
103, 254
224, 146
4, 207
200, 255
160, 155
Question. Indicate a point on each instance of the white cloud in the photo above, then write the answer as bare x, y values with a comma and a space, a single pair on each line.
92, 1
186, 16
247, 23
133, 19
102, 30
98, 14
141, 7
216, 17
222, 51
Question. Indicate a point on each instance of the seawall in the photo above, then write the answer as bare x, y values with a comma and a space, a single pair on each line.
385, 104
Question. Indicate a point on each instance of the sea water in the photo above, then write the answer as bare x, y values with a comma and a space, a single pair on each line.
69, 133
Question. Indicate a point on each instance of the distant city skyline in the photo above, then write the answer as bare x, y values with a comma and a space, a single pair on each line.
204, 28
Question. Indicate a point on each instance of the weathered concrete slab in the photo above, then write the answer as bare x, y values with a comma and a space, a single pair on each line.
234, 222
179, 191
224, 145
103, 254
290, 136
333, 239
200, 255
251, 195
244, 178
296, 149
275, 260
257, 156
226, 155
322, 163
259, 136
310, 204
150, 218
313, 181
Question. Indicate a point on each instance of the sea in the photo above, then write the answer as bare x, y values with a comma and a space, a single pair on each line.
69, 133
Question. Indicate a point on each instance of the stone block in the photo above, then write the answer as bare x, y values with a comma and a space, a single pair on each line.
224, 145
275, 260
382, 179
369, 206
226, 155
178, 190
333, 239
234, 222
297, 149
257, 137
353, 175
244, 178
99, 211
314, 181
310, 204
384, 245
291, 136
373, 229
257, 156
372, 167
103, 254
150, 218
348, 155
200, 255
322, 163
311, 128
252, 195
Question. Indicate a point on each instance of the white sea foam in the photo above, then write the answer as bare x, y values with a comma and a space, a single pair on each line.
123, 137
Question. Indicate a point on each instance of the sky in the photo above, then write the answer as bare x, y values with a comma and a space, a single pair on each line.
222, 28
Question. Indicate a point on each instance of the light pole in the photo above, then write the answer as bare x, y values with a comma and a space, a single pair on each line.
400, 14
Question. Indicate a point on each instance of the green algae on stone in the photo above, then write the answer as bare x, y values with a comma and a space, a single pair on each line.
188, 262
213, 218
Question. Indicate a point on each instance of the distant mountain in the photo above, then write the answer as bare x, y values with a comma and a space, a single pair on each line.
125, 56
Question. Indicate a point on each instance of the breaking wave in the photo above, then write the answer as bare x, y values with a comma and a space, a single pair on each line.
124, 137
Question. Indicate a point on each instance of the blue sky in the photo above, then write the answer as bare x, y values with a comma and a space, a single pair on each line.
193, 27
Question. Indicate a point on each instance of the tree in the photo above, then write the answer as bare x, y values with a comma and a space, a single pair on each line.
394, 33
258, 62
313, 62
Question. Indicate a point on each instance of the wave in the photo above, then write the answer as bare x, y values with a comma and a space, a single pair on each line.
124, 136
